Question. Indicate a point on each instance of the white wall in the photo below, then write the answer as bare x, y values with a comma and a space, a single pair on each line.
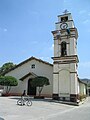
55, 83
41, 69
65, 79
82, 88
64, 83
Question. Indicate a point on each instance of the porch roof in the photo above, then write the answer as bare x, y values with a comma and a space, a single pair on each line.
27, 75
81, 81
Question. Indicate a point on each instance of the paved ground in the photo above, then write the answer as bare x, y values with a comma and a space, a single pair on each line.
79, 113
40, 110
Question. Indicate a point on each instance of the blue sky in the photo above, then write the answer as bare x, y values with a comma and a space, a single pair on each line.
26, 25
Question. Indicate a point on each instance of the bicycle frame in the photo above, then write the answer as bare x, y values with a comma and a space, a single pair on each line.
24, 101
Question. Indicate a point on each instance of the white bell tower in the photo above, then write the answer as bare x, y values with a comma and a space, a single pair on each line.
65, 79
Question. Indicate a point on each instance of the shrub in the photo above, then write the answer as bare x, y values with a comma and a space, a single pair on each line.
8, 81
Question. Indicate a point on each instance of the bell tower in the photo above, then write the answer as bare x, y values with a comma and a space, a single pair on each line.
65, 79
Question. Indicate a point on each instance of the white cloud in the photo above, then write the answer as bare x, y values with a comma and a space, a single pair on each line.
42, 58
5, 30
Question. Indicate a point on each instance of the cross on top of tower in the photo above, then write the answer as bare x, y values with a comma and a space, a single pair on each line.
65, 11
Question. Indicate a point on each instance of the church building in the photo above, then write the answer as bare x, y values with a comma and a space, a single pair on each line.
62, 74
26, 71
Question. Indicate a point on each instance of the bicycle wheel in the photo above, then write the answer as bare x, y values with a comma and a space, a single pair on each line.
29, 103
20, 102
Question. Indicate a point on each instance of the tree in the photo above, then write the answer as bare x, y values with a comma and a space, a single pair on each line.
8, 81
5, 67
88, 85
40, 82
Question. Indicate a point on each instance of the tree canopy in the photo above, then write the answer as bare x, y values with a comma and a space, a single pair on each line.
5, 67
40, 82
8, 81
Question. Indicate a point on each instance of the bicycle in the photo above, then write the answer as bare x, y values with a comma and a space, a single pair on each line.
24, 101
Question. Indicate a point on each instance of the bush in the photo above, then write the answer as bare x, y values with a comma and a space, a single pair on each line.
8, 81
82, 97
40, 82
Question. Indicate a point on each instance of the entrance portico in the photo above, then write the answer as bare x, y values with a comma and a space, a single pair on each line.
28, 78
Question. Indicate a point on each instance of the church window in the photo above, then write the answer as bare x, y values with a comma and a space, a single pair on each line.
64, 19
33, 66
63, 49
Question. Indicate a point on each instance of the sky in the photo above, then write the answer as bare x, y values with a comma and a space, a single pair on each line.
26, 25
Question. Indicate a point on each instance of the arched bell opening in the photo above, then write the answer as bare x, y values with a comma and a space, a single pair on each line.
63, 49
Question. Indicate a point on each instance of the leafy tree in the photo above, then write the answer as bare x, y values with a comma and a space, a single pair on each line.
40, 82
5, 67
8, 81
88, 85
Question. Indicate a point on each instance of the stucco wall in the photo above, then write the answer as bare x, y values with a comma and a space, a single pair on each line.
64, 83
82, 88
41, 69
65, 80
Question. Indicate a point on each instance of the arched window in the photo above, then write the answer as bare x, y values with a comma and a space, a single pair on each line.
63, 49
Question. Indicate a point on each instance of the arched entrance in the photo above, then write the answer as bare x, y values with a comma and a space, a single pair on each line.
31, 90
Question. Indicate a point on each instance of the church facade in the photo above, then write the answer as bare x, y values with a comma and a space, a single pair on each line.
62, 74
26, 71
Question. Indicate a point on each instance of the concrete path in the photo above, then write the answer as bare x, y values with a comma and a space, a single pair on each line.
40, 110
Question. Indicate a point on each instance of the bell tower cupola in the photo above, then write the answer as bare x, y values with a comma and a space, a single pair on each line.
64, 21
